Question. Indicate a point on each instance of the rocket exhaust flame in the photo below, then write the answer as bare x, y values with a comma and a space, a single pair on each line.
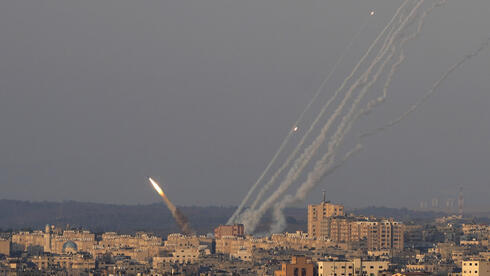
176, 213
156, 186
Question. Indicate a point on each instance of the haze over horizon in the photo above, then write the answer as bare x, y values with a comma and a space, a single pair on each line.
199, 94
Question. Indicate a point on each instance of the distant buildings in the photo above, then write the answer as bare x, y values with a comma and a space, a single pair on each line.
53, 240
336, 244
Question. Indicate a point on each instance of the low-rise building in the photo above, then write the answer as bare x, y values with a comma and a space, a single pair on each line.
300, 266
353, 268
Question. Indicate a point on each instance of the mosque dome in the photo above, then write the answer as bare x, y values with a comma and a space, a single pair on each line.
70, 246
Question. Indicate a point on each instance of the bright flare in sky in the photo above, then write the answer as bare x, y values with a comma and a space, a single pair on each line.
295, 128
372, 13
156, 186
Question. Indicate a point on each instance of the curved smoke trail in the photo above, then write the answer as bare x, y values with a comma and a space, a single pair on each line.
431, 91
350, 118
253, 218
324, 165
280, 219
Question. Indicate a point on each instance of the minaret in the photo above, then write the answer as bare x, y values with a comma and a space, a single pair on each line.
47, 238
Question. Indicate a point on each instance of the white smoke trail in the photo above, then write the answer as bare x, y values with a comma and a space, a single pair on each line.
301, 162
291, 132
280, 220
321, 169
310, 129
319, 116
321, 113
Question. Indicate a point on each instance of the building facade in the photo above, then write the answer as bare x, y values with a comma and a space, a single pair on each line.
236, 230
476, 268
353, 268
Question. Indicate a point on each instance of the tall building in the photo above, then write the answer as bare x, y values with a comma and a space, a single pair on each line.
384, 235
319, 218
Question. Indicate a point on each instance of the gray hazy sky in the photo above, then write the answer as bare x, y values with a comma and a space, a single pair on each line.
97, 95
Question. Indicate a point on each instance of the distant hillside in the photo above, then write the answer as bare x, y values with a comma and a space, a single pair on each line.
106, 217
155, 218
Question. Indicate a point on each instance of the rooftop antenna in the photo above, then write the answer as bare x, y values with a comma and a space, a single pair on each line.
324, 199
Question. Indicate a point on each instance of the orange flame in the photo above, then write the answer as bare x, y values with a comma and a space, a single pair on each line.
156, 187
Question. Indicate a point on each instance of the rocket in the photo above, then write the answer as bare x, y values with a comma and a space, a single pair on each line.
178, 216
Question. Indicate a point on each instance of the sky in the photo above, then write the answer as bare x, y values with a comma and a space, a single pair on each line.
95, 96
